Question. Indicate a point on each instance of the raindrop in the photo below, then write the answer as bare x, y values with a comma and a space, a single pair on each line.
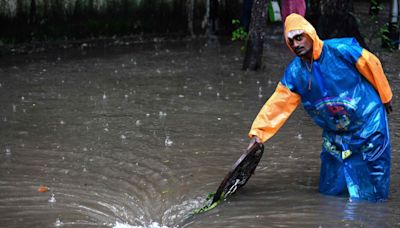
258, 82
269, 82
126, 96
5, 119
240, 82
219, 118
22, 98
158, 71
299, 136
104, 96
14, 107
106, 129
138, 123
62, 122
259, 92
52, 198
116, 71
181, 96
168, 141
218, 94
84, 169
209, 87
123, 137
1, 85
147, 114
123, 65
200, 93
162, 114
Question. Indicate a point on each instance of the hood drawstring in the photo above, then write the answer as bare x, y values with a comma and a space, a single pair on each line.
310, 70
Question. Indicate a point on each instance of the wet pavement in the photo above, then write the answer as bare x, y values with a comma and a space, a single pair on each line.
137, 136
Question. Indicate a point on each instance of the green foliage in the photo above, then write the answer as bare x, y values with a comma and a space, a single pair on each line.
376, 6
238, 33
381, 30
387, 42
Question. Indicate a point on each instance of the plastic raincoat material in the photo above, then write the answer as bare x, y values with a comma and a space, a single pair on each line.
343, 90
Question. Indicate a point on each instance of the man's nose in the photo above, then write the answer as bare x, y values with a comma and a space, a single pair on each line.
296, 43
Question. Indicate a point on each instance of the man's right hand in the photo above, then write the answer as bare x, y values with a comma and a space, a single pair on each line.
253, 141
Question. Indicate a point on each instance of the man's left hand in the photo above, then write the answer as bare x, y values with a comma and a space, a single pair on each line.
388, 107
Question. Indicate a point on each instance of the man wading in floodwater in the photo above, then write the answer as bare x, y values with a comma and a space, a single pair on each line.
344, 89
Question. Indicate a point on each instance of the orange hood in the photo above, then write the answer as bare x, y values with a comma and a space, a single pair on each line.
297, 22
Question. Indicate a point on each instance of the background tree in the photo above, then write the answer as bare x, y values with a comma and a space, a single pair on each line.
255, 40
334, 18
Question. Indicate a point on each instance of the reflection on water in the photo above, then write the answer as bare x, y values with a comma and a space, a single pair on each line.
139, 137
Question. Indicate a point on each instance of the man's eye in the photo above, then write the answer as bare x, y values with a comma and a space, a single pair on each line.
298, 38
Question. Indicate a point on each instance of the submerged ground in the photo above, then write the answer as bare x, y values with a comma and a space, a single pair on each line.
138, 135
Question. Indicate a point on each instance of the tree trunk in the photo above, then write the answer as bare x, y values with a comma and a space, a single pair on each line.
214, 8
255, 42
335, 18
190, 16
393, 25
32, 14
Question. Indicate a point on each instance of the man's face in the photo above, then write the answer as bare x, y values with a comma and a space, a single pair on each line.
302, 45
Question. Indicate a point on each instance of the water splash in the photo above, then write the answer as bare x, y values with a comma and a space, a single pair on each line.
151, 225
299, 136
52, 199
8, 150
162, 114
168, 141
58, 223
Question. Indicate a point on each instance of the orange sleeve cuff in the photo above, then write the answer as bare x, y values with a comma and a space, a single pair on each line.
370, 67
274, 113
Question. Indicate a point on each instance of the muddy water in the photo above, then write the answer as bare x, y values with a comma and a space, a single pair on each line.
138, 136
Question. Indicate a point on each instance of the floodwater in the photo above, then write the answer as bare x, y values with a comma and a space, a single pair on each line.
137, 136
